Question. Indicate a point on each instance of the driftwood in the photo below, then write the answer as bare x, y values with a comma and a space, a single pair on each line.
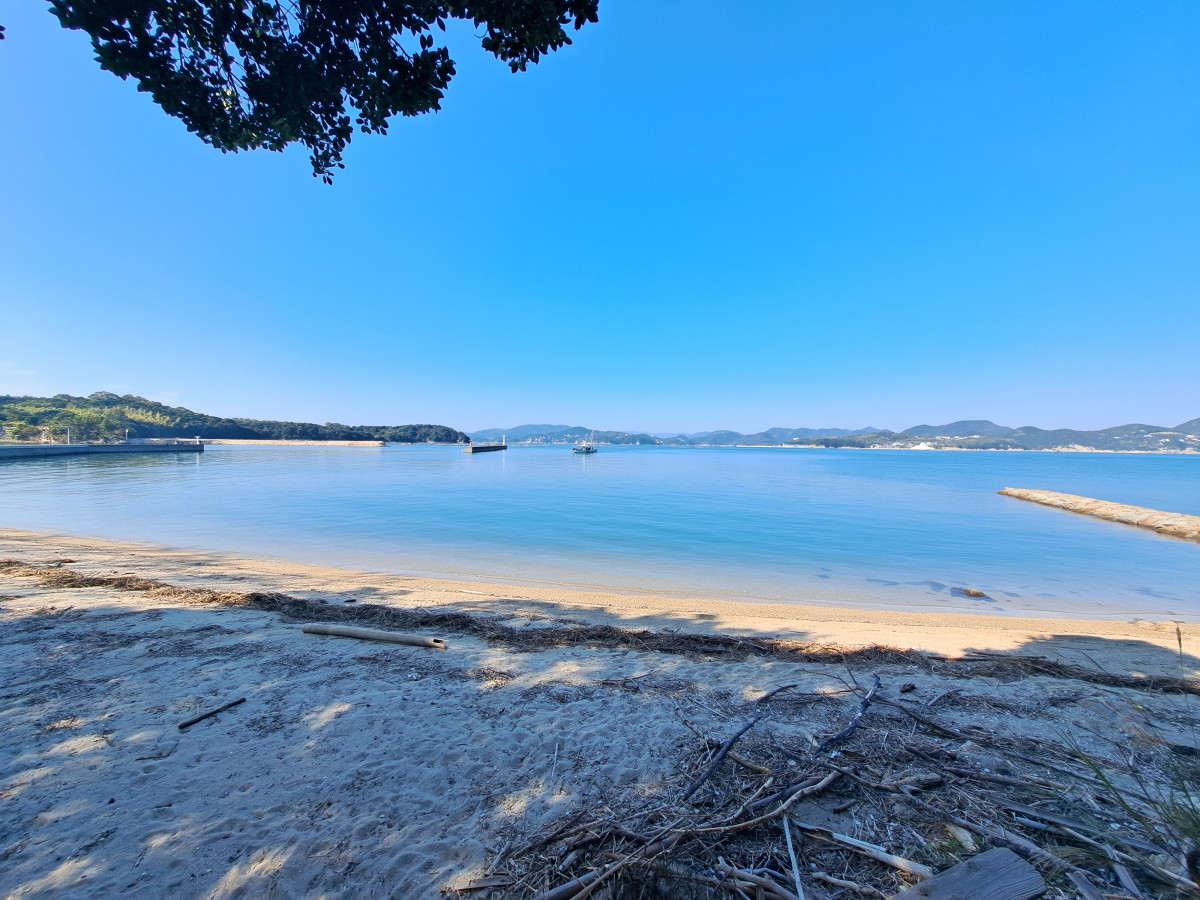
747, 764
849, 729
863, 889
995, 875
787, 833
786, 792
874, 851
761, 881
725, 748
771, 816
372, 634
210, 713
486, 883
578, 885
584, 885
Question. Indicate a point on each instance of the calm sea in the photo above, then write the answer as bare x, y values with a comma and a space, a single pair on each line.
863, 528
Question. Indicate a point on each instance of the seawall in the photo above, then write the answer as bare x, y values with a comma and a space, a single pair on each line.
237, 442
1173, 524
30, 451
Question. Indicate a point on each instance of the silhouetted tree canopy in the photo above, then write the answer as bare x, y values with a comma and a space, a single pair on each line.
246, 74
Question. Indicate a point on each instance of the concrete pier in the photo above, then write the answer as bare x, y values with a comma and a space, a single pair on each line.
487, 448
239, 442
1168, 523
33, 451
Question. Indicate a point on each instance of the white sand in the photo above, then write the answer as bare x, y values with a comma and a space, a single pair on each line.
374, 770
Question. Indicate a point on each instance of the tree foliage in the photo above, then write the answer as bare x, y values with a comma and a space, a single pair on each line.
246, 74
107, 416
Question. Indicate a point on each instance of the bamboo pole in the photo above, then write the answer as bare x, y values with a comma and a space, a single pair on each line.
371, 634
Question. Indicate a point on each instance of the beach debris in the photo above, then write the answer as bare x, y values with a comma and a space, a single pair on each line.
971, 592
940, 811
849, 729
874, 851
995, 875
721, 754
373, 634
212, 712
486, 883
787, 833
757, 880
963, 836
864, 890
161, 751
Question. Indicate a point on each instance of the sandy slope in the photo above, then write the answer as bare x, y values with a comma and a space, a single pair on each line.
366, 769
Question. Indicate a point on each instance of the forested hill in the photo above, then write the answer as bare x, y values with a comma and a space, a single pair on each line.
970, 434
106, 416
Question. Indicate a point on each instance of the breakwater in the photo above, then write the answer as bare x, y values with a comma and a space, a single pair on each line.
238, 442
33, 451
1173, 524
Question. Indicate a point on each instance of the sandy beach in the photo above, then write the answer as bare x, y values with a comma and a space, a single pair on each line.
365, 769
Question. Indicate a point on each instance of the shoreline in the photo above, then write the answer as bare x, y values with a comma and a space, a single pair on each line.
328, 766
1069, 449
943, 632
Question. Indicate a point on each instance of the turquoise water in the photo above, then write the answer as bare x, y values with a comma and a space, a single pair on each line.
868, 528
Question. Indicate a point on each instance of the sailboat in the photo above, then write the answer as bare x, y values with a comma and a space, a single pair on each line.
588, 446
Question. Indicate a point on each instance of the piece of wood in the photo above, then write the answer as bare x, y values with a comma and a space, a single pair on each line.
372, 634
787, 833
963, 836
771, 887
1076, 825
487, 883
725, 748
1086, 890
995, 875
874, 851
210, 713
748, 764
577, 885
865, 890
786, 792
771, 816
849, 729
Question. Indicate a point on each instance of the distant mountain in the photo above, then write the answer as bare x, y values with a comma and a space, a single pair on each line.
1126, 438
107, 416
561, 434
770, 437
519, 433
980, 427
969, 434
564, 434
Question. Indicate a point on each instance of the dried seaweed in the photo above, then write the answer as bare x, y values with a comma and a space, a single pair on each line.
493, 630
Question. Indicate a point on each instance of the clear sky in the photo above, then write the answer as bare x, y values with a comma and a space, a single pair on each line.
702, 215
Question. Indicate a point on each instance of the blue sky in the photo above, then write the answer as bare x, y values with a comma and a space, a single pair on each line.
701, 215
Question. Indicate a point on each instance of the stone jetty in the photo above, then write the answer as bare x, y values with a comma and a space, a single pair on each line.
1168, 523
33, 451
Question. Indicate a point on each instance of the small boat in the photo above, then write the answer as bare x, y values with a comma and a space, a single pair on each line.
587, 446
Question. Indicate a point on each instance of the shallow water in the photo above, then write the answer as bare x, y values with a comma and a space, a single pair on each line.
866, 528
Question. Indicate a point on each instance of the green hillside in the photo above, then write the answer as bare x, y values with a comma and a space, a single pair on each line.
104, 416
